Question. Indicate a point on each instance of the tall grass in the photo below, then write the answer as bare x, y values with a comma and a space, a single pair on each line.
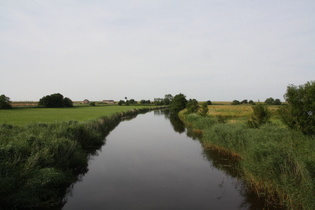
276, 163
39, 161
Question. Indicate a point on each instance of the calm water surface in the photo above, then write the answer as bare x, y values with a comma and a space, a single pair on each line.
150, 163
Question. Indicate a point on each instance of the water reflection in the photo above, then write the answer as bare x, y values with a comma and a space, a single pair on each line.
146, 165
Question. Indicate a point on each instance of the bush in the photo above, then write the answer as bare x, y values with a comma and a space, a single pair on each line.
192, 106
204, 109
260, 116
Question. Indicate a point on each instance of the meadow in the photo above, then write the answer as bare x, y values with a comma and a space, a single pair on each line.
276, 163
24, 116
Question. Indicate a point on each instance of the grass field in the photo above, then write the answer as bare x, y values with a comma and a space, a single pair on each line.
236, 113
23, 116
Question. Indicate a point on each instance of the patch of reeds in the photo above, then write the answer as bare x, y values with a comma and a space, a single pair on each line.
276, 163
39, 161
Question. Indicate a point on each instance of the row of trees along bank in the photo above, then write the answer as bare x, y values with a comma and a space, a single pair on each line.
277, 161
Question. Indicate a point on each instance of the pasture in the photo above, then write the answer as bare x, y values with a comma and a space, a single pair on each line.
23, 116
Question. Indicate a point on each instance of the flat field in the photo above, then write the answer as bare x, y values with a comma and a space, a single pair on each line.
22, 116
235, 113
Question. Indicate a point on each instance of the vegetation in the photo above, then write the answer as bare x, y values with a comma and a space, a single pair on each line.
277, 163
55, 100
271, 101
5, 102
39, 161
260, 116
192, 106
299, 114
178, 103
24, 116
204, 109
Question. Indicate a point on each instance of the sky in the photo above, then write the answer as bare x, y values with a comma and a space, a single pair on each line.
218, 50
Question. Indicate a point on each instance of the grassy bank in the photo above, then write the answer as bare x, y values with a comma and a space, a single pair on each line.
275, 162
39, 161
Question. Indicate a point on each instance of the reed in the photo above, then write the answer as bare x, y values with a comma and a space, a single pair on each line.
275, 162
39, 161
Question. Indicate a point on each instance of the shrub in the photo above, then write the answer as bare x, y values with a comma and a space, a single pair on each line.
204, 109
192, 106
260, 116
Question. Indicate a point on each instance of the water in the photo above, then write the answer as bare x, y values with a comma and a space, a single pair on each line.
150, 163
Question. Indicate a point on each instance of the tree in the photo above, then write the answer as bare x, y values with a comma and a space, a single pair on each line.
192, 106
55, 100
121, 102
269, 101
277, 102
209, 102
5, 102
169, 97
178, 103
132, 101
299, 114
67, 102
236, 102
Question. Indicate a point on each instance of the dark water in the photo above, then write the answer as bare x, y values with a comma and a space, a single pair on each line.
150, 163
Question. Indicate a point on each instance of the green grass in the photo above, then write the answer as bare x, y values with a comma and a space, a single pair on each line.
39, 161
23, 116
276, 162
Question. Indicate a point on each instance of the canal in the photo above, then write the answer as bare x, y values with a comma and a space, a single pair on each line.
150, 163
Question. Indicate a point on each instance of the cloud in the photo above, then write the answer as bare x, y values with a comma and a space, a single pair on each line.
218, 50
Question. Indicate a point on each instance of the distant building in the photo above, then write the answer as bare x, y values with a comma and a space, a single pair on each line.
86, 101
109, 101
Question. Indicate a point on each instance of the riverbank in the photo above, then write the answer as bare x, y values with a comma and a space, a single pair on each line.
276, 163
39, 161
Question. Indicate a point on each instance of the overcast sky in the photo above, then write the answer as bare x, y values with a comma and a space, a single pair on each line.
217, 50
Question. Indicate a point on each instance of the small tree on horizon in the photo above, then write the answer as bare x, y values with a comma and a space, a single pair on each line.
55, 100
5, 102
